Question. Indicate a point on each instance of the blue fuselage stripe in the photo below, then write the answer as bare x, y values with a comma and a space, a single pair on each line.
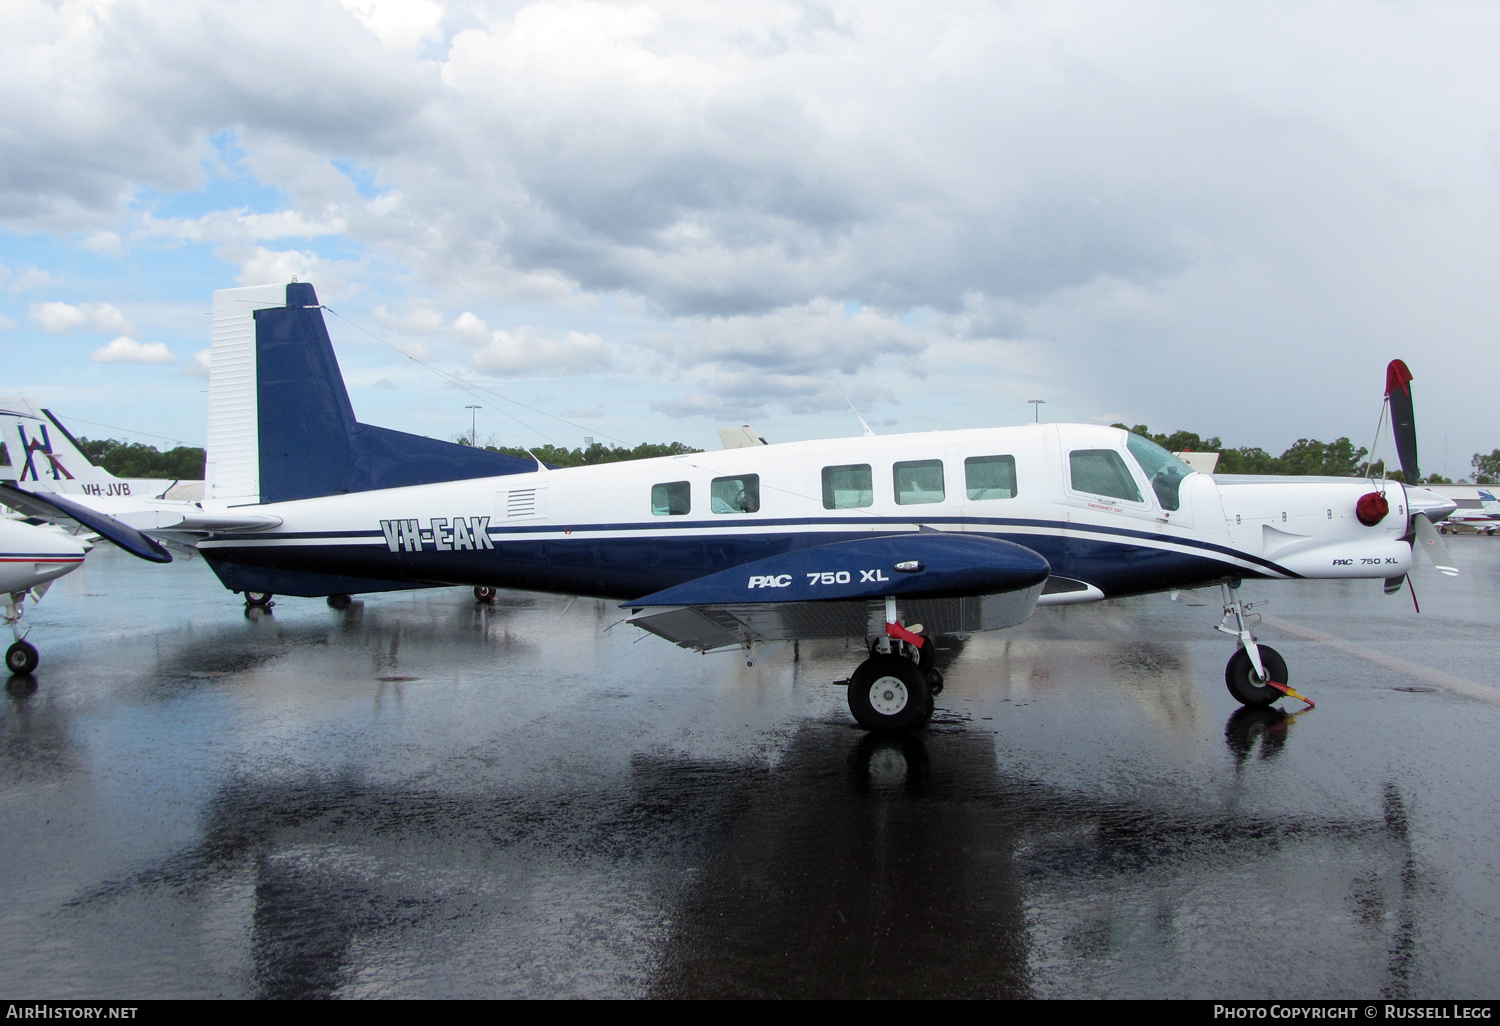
587, 562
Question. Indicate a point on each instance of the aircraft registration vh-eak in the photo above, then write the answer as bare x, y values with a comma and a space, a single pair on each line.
892, 540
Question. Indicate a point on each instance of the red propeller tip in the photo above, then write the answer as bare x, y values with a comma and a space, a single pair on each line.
1397, 376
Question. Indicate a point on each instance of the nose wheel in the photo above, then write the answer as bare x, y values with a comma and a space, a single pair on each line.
22, 658
1250, 688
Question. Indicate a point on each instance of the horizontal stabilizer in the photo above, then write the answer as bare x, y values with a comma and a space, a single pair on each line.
918, 565
123, 535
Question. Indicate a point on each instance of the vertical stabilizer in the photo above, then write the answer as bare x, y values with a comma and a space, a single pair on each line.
281, 426
232, 471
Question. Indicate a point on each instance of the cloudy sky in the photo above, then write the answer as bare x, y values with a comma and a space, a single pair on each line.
648, 220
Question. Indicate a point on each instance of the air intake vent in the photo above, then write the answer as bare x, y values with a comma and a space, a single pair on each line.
524, 503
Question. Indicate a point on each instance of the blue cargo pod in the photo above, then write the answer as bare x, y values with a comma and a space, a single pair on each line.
950, 583
926, 565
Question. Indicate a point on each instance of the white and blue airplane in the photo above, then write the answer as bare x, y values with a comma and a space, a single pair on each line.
1484, 520
893, 540
32, 556
44, 453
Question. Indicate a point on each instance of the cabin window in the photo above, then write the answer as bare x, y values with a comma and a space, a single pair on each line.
671, 500
1165, 471
849, 487
919, 481
990, 477
735, 494
1102, 472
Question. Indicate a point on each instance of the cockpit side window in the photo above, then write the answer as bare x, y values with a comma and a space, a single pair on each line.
1165, 471
1102, 472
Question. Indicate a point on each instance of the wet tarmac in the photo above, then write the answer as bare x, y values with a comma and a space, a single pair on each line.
419, 796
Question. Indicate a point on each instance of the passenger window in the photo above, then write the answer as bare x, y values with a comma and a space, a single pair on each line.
671, 500
919, 481
990, 477
848, 487
1102, 472
735, 494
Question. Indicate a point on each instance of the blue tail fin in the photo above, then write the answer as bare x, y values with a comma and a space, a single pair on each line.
308, 442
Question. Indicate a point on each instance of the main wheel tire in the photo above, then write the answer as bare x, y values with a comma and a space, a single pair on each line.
889, 693
338, 601
21, 658
1239, 677
258, 599
485, 595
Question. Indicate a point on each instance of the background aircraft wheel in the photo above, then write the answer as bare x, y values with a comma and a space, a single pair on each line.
338, 601
21, 657
1240, 678
889, 693
934, 682
258, 599
483, 594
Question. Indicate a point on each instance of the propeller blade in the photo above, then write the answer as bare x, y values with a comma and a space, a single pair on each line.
1431, 543
1403, 420
1393, 584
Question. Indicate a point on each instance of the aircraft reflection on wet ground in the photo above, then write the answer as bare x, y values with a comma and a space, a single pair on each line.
422, 797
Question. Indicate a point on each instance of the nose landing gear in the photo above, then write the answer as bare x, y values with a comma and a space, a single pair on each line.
1256, 674
22, 657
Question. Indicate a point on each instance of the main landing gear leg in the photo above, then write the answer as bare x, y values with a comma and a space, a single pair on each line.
22, 657
1256, 674
891, 690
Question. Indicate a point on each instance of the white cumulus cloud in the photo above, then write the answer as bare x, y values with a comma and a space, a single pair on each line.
58, 317
127, 350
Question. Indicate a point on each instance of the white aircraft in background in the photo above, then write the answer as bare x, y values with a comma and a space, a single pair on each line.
892, 539
1485, 519
31, 558
45, 455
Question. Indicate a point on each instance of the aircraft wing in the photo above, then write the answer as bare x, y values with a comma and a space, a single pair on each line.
51, 505
949, 583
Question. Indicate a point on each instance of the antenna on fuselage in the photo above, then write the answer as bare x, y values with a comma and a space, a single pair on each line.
869, 432
539, 464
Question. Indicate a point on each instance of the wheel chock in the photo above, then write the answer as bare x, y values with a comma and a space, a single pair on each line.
1291, 693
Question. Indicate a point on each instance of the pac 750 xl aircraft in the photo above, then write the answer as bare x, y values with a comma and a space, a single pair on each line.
893, 540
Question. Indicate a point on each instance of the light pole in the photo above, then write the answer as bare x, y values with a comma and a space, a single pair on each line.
1036, 408
473, 426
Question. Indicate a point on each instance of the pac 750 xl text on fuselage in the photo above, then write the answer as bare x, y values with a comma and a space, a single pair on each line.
892, 540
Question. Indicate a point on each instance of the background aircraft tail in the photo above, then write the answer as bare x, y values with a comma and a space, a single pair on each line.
280, 425
43, 454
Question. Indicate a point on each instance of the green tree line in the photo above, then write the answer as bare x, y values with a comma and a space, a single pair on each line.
597, 453
1307, 456
132, 459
